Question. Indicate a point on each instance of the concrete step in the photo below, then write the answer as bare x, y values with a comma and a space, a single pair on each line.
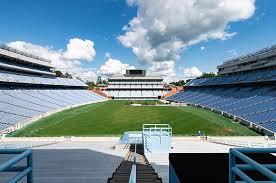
137, 167
138, 181
144, 171
140, 171
138, 176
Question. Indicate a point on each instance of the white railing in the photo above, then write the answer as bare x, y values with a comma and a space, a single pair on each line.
242, 143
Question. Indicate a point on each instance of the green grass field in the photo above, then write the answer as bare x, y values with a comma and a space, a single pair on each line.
115, 117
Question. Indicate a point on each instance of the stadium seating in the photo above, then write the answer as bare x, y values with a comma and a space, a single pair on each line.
263, 76
24, 104
253, 103
28, 79
135, 87
135, 94
30, 90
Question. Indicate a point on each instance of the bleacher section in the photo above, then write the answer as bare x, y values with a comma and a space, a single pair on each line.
38, 80
135, 86
248, 96
254, 104
262, 76
18, 106
29, 90
134, 94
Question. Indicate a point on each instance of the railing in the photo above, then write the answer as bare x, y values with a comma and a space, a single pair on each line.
8, 48
257, 53
160, 129
23, 170
234, 143
237, 169
132, 177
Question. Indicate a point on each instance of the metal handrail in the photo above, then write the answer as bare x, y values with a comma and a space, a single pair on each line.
265, 144
162, 128
255, 54
132, 177
23, 170
237, 169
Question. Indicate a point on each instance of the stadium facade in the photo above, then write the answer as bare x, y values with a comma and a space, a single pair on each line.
135, 85
29, 89
262, 59
244, 90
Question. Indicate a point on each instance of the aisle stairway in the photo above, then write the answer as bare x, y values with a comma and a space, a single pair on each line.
144, 171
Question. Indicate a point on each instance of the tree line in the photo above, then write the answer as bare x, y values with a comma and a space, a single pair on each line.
100, 80
204, 75
103, 82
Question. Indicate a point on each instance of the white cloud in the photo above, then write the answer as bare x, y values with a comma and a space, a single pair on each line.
86, 74
107, 55
192, 72
163, 28
65, 61
79, 49
232, 52
202, 48
113, 66
165, 69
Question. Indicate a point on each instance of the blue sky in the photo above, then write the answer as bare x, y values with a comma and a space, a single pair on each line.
53, 23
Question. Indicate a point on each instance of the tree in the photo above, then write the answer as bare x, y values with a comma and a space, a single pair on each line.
67, 75
99, 80
188, 80
104, 82
178, 83
207, 75
59, 74
90, 83
78, 78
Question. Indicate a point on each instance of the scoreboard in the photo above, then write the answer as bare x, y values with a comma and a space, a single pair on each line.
136, 72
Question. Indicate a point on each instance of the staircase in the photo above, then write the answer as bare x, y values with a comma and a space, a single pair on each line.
99, 92
173, 92
144, 171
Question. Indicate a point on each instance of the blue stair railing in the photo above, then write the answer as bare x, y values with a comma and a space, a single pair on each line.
153, 132
23, 170
132, 177
237, 169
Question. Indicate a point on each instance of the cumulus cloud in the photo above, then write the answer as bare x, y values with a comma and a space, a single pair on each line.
78, 49
163, 28
113, 66
192, 72
165, 69
65, 61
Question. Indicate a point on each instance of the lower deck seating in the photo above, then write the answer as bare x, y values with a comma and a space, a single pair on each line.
135, 94
23, 104
254, 104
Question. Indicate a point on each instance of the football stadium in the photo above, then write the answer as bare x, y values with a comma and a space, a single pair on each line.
137, 123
